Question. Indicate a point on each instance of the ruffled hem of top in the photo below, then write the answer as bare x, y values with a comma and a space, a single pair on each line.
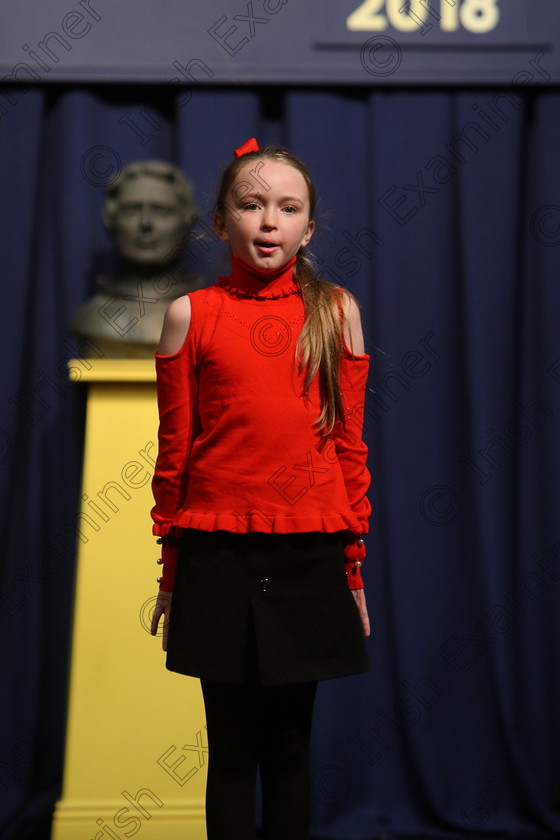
275, 524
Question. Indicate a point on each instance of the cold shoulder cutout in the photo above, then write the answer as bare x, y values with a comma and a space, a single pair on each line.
175, 326
352, 331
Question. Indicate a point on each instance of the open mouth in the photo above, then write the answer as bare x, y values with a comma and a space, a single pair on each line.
266, 247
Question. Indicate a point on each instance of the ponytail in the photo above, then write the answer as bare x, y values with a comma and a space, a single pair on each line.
321, 344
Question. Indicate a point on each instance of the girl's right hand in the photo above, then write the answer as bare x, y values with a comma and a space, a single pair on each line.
162, 608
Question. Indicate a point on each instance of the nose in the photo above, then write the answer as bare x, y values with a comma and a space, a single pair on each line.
268, 218
146, 217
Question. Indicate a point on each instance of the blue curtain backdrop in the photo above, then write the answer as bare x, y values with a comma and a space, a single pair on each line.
440, 210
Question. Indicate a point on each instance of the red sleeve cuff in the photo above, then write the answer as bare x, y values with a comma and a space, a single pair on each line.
169, 552
354, 557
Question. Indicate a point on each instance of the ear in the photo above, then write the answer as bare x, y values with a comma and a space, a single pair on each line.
220, 228
308, 234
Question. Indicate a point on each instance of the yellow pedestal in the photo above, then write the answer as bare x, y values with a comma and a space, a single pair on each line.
136, 748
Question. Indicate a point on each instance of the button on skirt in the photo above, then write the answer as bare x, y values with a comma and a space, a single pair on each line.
267, 609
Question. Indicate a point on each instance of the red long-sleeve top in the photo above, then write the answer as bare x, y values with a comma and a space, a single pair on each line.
238, 448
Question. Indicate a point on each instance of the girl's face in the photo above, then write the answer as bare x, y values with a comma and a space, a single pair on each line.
266, 219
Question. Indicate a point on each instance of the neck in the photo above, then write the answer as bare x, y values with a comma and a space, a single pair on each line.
249, 281
264, 274
128, 268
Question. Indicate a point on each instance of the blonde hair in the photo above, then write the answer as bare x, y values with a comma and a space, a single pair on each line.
320, 344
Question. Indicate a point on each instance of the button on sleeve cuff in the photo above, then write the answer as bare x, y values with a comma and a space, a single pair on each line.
169, 556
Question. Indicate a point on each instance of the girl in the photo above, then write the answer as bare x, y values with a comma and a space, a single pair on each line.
260, 487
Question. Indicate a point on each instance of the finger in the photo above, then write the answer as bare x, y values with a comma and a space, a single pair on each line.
360, 598
365, 616
165, 630
155, 619
365, 621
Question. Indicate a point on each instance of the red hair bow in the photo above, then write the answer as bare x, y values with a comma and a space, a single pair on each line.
250, 145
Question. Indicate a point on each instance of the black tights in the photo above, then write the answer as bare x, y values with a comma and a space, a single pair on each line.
269, 727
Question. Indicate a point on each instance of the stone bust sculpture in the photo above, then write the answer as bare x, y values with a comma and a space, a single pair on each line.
149, 211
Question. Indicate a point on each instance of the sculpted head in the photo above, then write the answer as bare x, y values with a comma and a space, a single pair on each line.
149, 211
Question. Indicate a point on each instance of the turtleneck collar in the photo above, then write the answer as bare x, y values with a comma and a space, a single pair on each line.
249, 282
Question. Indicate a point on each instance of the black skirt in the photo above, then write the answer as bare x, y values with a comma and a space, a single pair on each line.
266, 609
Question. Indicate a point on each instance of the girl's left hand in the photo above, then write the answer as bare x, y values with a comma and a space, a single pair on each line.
162, 608
360, 599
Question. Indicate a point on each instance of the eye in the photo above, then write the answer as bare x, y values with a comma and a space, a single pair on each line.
129, 209
289, 208
251, 206
162, 211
